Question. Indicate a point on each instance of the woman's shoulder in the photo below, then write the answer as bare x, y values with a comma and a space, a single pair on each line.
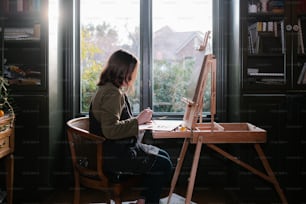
109, 89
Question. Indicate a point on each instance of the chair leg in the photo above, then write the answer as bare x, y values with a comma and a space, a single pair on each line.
117, 189
76, 189
9, 177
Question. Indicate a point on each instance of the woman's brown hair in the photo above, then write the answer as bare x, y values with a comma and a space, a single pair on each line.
119, 68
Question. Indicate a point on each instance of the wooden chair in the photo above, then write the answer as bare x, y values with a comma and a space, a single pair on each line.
86, 154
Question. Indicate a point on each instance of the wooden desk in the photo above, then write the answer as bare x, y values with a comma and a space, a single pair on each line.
213, 133
6, 152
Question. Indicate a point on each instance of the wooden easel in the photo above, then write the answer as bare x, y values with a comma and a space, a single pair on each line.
213, 133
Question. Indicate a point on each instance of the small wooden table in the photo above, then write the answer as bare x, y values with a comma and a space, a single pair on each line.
6, 152
212, 134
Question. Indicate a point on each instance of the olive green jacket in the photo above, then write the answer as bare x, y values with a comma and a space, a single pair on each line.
107, 106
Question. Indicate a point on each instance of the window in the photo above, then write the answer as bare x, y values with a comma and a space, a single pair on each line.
164, 34
105, 26
178, 28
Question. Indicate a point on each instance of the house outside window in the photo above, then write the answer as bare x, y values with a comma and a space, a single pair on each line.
163, 34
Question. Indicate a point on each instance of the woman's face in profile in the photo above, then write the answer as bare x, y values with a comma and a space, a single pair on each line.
134, 74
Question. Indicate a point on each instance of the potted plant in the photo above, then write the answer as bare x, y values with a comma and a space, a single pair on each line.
6, 109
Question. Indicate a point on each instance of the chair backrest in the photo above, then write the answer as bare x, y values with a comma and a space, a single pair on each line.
86, 149
86, 154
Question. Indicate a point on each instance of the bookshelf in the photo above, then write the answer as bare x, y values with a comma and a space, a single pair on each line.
29, 46
265, 55
23, 43
272, 91
274, 46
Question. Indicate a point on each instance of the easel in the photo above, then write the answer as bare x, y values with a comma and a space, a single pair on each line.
213, 133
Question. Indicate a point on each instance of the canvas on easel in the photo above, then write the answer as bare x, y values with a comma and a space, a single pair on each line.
194, 105
195, 93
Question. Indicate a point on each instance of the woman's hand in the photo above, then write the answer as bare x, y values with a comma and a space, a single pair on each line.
144, 116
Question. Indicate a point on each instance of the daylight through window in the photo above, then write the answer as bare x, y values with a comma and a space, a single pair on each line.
177, 28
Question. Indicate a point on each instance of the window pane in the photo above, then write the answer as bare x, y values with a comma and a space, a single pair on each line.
106, 26
178, 29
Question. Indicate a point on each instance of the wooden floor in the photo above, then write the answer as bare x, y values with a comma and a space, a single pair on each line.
207, 195
90, 196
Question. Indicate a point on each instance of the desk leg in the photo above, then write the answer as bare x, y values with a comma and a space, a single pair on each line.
10, 177
270, 173
193, 172
178, 167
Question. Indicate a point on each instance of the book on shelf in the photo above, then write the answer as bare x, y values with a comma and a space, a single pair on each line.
266, 74
276, 81
265, 77
13, 6
251, 43
269, 81
31, 5
275, 29
282, 30
19, 34
4, 5
270, 26
19, 5
266, 37
253, 37
301, 48
277, 6
302, 76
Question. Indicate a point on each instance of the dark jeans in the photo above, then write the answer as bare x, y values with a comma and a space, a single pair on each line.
157, 178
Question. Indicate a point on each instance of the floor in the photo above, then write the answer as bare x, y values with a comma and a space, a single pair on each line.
90, 196
209, 195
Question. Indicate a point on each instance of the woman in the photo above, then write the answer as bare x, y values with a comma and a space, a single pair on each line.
111, 117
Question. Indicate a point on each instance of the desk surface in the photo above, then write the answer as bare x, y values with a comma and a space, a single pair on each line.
161, 125
218, 133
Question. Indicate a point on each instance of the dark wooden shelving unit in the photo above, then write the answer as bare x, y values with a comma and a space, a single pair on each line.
25, 63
